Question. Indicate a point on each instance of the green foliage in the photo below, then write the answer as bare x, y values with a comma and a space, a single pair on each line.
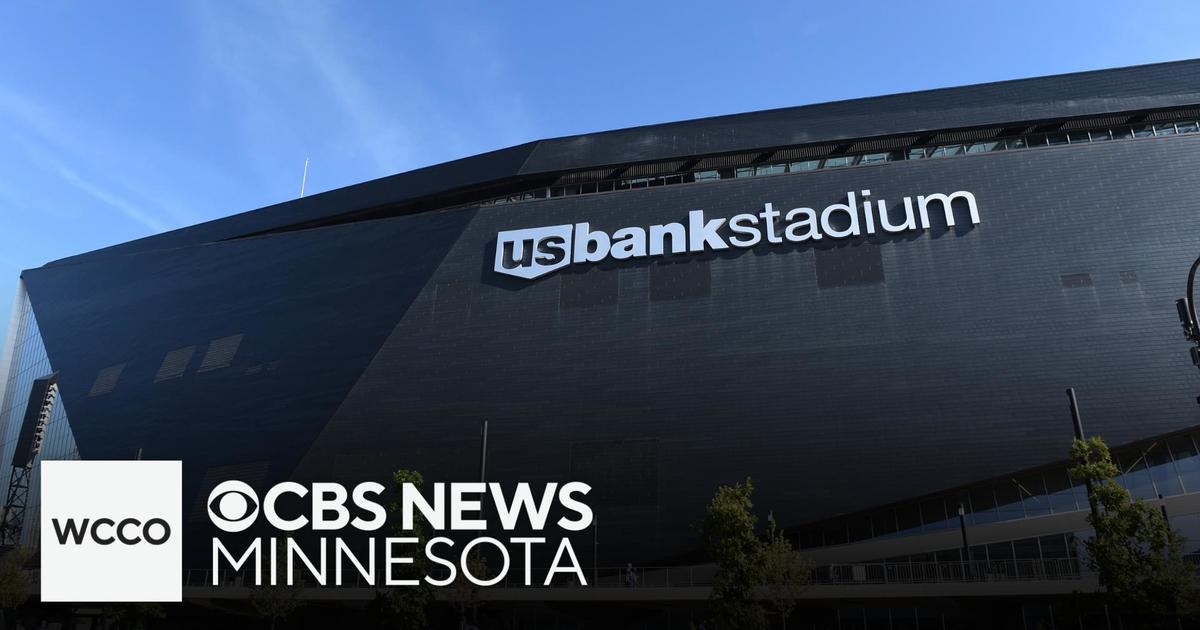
134, 615
405, 608
749, 569
1134, 550
14, 581
786, 574
464, 593
275, 602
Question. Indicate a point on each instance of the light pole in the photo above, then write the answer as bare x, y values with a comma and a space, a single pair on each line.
966, 548
1186, 306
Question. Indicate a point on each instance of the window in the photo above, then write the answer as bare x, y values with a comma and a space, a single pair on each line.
707, 176
1016, 143
1164, 129
1187, 462
1121, 133
1187, 127
874, 158
916, 154
745, 171
836, 162
982, 147
1055, 139
1101, 135
1162, 470
1076, 280
1143, 131
770, 169
807, 165
1078, 137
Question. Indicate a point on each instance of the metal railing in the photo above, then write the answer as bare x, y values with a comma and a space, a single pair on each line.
702, 575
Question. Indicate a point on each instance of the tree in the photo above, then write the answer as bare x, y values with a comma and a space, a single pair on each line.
134, 615
786, 573
274, 602
465, 593
14, 582
728, 533
1134, 550
406, 607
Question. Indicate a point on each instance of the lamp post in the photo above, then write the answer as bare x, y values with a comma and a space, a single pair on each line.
966, 547
1186, 306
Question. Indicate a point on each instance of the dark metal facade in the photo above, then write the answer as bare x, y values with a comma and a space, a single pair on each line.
839, 376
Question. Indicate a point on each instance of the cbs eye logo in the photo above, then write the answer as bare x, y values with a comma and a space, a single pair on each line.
232, 506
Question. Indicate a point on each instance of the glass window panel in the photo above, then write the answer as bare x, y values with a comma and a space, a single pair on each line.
1121, 133
1187, 127
835, 162
1036, 141
835, 533
859, 528
770, 169
1162, 470
895, 156
746, 171
933, 515
883, 523
1008, 500
1186, 461
874, 158
1054, 546
1027, 549
1164, 129
1056, 138
1100, 135
1136, 477
983, 505
1059, 491
909, 518
1033, 495
807, 165
917, 154
1016, 143
1079, 137
1143, 131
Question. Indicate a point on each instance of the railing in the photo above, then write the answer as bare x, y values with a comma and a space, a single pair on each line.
925, 572
693, 576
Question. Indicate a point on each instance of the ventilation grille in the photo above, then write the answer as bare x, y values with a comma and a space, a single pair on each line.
174, 364
106, 380
220, 353
254, 474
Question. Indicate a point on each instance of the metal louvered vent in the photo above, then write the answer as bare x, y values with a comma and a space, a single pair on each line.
593, 175
174, 364
1192, 112
804, 153
657, 168
253, 473
725, 161
883, 144
967, 134
106, 380
1090, 123
220, 353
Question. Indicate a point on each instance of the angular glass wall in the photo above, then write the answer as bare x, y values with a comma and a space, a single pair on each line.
25, 361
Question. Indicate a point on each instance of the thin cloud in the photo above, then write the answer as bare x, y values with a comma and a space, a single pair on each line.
110, 199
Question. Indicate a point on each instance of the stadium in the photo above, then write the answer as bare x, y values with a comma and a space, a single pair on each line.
1028, 236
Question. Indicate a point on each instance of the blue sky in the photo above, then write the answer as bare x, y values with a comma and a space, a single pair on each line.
122, 119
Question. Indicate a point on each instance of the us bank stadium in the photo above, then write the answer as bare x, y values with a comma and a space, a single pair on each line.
872, 368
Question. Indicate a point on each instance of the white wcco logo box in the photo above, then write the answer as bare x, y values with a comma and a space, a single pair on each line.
112, 531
